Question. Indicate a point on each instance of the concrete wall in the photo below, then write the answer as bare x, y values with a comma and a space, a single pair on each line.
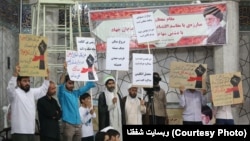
8, 49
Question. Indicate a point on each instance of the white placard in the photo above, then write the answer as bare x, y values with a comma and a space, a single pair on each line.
88, 46
142, 70
117, 54
85, 44
145, 28
78, 66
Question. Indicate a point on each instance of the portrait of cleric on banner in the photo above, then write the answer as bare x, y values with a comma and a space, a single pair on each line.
216, 33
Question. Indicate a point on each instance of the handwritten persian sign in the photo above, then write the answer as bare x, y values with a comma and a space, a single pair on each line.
117, 56
80, 66
145, 28
142, 70
33, 55
175, 116
189, 75
226, 88
87, 46
176, 25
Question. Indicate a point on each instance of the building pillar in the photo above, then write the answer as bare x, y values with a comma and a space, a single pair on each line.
226, 57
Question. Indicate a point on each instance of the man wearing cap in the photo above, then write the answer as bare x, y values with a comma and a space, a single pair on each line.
110, 110
216, 33
134, 107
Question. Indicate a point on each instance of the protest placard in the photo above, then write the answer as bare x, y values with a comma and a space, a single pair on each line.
226, 88
142, 70
33, 55
117, 55
189, 75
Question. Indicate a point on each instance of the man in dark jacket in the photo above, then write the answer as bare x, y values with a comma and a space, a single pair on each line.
49, 114
110, 110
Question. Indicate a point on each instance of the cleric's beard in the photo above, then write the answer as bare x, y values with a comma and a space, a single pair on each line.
25, 88
111, 89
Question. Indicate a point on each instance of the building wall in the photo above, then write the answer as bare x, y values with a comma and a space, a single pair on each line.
243, 110
8, 48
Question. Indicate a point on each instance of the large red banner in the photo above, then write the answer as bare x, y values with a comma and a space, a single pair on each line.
176, 26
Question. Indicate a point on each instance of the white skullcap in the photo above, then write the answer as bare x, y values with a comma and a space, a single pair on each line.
129, 85
109, 77
107, 128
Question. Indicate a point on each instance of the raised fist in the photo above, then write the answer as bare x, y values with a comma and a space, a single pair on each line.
235, 80
200, 70
90, 61
42, 48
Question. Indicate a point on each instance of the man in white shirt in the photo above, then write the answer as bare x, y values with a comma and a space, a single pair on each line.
223, 115
134, 107
23, 106
191, 100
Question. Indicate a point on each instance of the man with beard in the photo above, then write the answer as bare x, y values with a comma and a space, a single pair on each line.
68, 99
216, 33
49, 114
23, 106
134, 107
110, 108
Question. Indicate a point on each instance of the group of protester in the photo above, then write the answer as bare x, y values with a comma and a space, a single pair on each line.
76, 120
113, 109
197, 111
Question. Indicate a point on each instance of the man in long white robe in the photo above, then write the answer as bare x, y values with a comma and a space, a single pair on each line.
134, 107
110, 109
